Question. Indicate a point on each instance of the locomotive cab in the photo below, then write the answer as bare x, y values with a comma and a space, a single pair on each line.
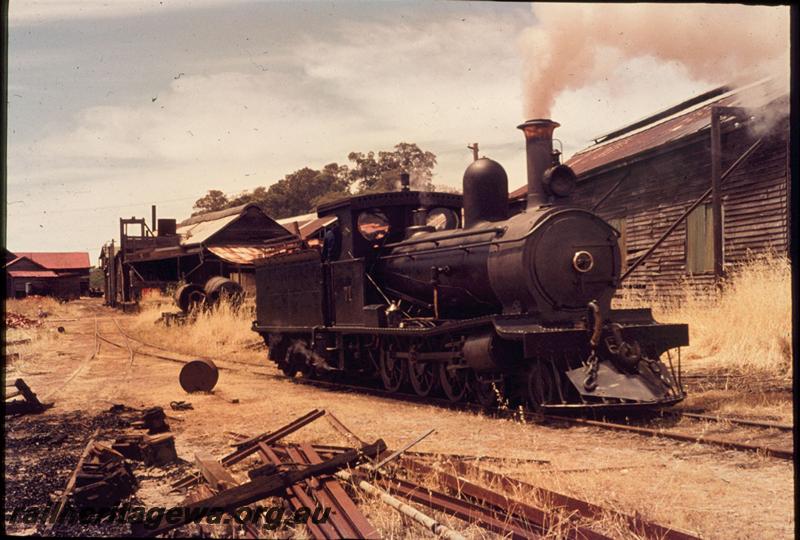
338, 285
368, 222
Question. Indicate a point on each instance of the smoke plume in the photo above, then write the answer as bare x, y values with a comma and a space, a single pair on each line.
574, 45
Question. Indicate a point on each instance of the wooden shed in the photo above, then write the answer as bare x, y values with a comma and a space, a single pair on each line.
643, 177
223, 243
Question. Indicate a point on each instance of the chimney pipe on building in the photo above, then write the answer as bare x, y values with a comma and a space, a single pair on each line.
405, 181
153, 227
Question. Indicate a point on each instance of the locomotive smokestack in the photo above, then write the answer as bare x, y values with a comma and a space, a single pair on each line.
539, 150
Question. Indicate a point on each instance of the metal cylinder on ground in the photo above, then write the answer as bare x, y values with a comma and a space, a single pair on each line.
199, 375
219, 287
189, 296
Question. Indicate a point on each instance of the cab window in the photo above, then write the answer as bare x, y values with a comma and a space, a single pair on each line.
373, 225
442, 218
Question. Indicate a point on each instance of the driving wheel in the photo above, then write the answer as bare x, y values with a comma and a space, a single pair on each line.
392, 369
487, 388
453, 379
539, 387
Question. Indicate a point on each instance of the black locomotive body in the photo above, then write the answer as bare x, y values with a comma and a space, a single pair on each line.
447, 293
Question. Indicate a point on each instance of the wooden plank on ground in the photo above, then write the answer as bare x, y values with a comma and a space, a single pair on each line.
215, 474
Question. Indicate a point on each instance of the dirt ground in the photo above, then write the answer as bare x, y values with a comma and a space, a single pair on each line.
713, 492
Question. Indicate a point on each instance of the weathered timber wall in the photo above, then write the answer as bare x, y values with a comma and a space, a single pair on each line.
660, 188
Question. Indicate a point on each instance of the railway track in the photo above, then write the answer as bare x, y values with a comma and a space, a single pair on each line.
131, 353
682, 435
765, 449
84, 362
701, 382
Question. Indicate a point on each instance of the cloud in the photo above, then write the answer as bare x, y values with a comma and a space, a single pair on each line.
250, 107
357, 90
43, 11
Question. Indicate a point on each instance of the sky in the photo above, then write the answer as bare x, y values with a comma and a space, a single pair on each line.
115, 105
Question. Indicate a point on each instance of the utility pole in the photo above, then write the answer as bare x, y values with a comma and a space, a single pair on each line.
474, 148
716, 193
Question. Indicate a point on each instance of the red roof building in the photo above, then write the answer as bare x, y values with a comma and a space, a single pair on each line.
57, 260
60, 274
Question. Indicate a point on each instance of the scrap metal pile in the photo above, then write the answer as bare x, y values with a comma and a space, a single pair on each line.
17, 320
413, 483
103, 476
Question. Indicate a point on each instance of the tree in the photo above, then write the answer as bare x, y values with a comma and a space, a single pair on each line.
212, 201
299, 192
367, 172
296, 193
383, 173
258, 196
303, 190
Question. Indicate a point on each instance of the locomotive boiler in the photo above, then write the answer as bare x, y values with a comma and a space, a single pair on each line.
440, 293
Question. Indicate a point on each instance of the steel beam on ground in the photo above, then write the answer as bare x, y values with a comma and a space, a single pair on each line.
541, 519
466, 511
583, 508
355, 518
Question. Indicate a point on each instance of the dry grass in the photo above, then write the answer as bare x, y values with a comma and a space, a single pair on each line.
744, 327
39, 308
25, 347
219, 332
717, 494
32, 306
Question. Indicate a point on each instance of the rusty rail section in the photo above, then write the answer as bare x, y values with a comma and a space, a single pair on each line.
250, 446
464, 510
520, 518
530, 517
307, 490
578, 507
263, 487
349, 520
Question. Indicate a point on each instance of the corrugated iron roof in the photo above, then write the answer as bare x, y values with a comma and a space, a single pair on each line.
664, 130
213, 216
243, 254
12, 262
672, 128
313, 226
32, 274
301, 218
58, 260
198, 229
306, 224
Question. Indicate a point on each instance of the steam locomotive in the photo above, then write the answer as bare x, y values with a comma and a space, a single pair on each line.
448, 294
